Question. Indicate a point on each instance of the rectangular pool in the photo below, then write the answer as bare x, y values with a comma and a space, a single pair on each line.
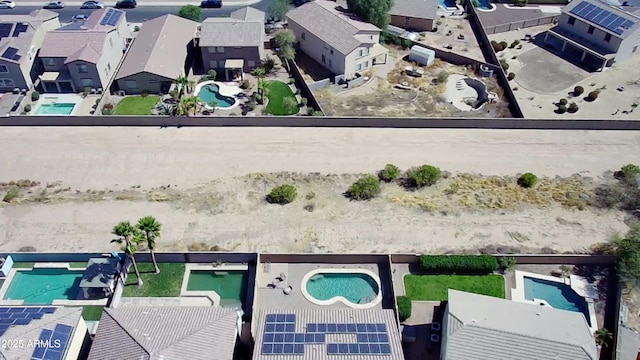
231, 285
558, 295
55, 109
40, 286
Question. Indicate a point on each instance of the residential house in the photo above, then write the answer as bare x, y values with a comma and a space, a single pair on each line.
167, 332
37, 333
233, 45
161, 52
414, 15
336, 39
596, 33
479, 327
20, 39
282, 334
84, 54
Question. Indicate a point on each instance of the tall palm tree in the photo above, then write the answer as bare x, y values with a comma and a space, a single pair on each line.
150, 228
129, 242
603, 336
213, 104
259, 73
189, 103
185, 84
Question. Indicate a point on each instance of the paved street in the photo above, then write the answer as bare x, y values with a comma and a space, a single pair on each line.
144, 11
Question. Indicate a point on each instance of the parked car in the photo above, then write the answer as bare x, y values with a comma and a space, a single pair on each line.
54, 5
7, 4
80, 17
92, 5
211, 4
126, 4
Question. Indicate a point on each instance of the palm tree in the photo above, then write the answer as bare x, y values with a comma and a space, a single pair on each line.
129, 241
150, 228
603, 336
185, 84
190, 102
259, 73
213, 104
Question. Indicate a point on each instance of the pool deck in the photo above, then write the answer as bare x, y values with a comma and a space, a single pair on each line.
275, 298
211, 298
225, 89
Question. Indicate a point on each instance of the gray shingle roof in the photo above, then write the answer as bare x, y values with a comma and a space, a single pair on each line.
481, 327
421, 9
248, 14
319, 351
160, 47
231, 32
337, 29
192, 333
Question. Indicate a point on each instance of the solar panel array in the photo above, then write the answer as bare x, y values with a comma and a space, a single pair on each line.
16, 316
52, 343
11, 54
5, 29
111, 18
602, 17
20, 28
280, 338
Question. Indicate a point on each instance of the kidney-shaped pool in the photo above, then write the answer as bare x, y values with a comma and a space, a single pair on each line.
356, 288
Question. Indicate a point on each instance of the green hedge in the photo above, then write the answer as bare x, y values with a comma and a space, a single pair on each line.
458, 264
404, 307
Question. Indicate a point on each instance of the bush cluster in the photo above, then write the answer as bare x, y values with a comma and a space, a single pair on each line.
458, 264
425, 175
404, 307
366, 188
573, 108
511, 76
35, 96
504, 64
527, 180
389, 173
578, 90
563, 102
505, 263
387, 38
282, 194
562, 109
498, 46
628, 173
593, 96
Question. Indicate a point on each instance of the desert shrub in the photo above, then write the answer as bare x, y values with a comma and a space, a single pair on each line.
563, 102
366, 188
404, 307
511, 76
11, 195
310, 195
245, 85
304, 101
504, 45
505, 263
629, 174
496, 46
593, 95
504, 64
268, 65
578, 90
136, 28
282, 194
35, 96
291, 81
573, 108
527, 180
443, 76
562, 109
389, 173
317, 113
27, 108
259, 98
406, 43
458, 264
425, 175
310, 111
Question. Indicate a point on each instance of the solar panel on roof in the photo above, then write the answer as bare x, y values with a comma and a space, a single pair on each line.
9, 54
52, 343
5, 30
602, 17
114, 18
20, 28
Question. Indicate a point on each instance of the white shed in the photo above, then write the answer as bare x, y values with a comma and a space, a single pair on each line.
422, 55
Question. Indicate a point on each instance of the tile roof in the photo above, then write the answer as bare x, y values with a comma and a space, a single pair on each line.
160, 47
170, 332
23, 42
23, 334
480, 327
231, 32
421, 9
319, 351
334, 27
248, 14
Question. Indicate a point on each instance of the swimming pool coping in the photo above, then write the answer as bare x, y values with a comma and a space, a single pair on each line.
517, 293
223, 89
335, 299
49, 99
211, 294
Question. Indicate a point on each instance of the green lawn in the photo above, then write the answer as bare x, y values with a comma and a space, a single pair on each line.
136, 105
165, 284
277, 92
92, 312
435, 287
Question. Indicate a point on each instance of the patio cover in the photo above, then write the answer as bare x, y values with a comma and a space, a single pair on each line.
50, 76
234, 64
100, 273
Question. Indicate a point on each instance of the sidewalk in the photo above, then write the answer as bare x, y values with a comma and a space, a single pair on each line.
145, 3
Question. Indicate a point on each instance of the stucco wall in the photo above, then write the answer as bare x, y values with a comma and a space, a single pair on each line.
247, 53
412, 23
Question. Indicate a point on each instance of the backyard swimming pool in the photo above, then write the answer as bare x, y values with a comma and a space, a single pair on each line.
485, 5
55, 109
356, 288
231, 285
40, 286
448, 4
557, 295
211, 93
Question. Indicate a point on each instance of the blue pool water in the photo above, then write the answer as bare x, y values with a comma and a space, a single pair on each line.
357, 288
447, 3
55, 109
484, 4
558, 295
209, 93
43, 285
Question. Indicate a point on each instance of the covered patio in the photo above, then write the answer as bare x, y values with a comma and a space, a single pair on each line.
57, 82
586, 53
99, 278
233, 69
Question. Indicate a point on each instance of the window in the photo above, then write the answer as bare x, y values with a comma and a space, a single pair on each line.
153, 81
366, 64
571, 21
358, 67
407, 20
331, 51
323, 59
363, 52
212, 50
108, 67
111, 42
591, 28
7, 82
304, 36
220, 50
49, 61
82, 68
87, 82
3, 69
607, 37
330, 64
213, 64
635, 48
360, 52
252, 63
131, 84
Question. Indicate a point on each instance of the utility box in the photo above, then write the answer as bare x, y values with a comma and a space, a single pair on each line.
422, 55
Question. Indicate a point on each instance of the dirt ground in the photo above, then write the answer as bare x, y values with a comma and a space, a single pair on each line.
424, 99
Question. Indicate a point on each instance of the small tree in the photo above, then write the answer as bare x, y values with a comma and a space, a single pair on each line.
389, 173
212, 74
592, 96
404, 308
373, 11
563, 102
578, 90
278, 9
573, 108
511, 76
282, 194
504, 45
27, 108
425, 175
35, 96
286, 39
366, 188
603, 337
527, 180
191, 12
562, 109
259, 73
443, 76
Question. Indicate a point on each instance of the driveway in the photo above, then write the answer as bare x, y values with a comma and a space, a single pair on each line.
546, 73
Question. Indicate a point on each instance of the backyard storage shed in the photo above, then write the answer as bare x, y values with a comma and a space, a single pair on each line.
422, 55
